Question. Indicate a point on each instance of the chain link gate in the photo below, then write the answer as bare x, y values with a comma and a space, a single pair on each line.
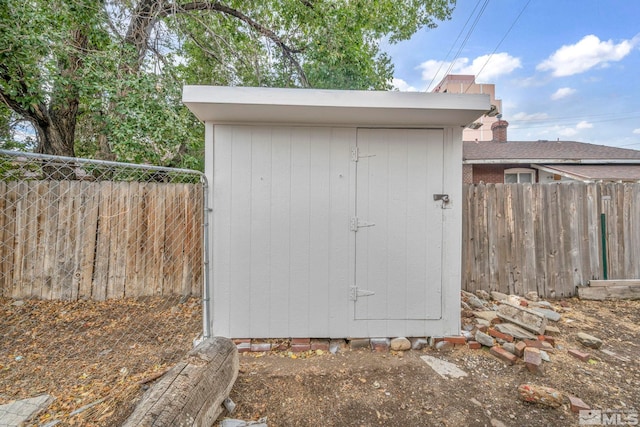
102, 277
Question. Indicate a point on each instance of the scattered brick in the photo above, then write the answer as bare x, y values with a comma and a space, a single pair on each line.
503, 355
243, 347
359, 343
380, 345
542, 345
548, 338
320, 345
336, 346
474, 345
300, 341
456, 340
524, 303
483, 328
260, 346
497, 334
520, 346
577, 404
282, 346
299, 348
443, 345
237, 341
579, 355
533, 360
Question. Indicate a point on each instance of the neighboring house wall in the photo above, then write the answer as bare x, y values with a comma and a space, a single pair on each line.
491, 174
545, 177
461, 83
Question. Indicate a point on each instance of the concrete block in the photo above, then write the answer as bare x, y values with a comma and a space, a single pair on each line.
523, 317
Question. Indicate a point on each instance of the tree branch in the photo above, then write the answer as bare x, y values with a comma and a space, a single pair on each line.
36, 114
219, 7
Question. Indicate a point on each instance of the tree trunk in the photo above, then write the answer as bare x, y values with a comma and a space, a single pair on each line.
55, 137
54, 140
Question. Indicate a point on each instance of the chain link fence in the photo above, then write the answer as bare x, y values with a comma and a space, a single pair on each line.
101, 284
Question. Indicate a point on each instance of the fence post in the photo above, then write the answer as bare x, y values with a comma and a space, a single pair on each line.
603, 228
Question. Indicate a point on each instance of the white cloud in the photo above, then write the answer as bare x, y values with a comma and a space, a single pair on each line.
637, 131
563, 92
402, 85
586, 54
567, 131
499, 64
584, 125
571, 131
533, 116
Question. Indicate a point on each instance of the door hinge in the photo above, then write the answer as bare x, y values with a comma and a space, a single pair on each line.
355, 154
355, 224
355, 292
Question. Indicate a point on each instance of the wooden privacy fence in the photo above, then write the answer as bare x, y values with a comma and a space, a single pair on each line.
81, 239
547, 237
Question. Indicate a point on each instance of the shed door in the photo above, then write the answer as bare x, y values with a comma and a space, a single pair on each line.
399, 259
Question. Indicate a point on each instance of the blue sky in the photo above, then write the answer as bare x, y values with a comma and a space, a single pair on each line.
567, 69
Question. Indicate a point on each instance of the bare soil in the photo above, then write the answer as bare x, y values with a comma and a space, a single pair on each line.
362, 388
100, 353
107, 353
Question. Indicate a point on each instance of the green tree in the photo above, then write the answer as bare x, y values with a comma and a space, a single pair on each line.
103, 78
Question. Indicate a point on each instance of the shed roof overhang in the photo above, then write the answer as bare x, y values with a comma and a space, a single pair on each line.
257, 105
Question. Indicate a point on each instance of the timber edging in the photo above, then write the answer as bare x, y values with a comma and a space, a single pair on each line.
192, 392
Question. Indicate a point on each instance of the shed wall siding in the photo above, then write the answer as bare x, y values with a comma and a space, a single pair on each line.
281, 249
282, 253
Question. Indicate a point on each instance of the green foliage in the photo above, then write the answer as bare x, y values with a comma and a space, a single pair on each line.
76, 65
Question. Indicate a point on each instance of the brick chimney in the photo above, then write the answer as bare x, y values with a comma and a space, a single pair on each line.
499, 130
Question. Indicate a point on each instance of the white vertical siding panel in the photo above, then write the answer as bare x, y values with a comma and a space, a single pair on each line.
419, 280
280, 232
341, 251
434, 233
397, 204
240, 245
219, 156
260, 229
319, 231
300, 227
452, 233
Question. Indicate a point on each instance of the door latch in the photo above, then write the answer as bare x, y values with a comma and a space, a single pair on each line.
443, 197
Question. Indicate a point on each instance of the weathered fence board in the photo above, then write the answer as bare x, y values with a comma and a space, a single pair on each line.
99, 240
547, 237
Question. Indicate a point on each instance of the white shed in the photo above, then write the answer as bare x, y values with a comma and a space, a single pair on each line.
335, 214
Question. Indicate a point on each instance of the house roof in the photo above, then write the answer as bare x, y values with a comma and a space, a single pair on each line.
562, 152
595, 172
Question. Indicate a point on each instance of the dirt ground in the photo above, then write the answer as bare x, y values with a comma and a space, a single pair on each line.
361, 388
108, 353
100, 353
